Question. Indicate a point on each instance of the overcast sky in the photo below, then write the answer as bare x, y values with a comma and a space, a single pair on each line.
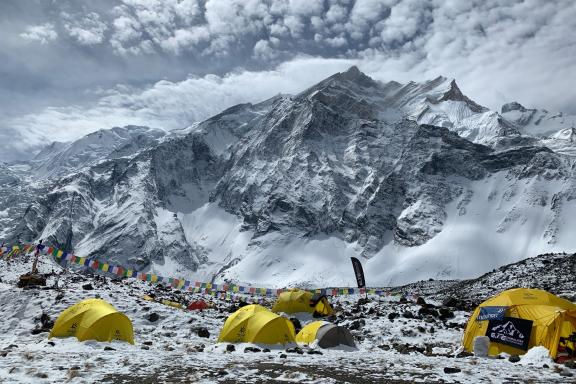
69, 67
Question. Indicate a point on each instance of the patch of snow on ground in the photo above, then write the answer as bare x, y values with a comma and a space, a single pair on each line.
536, 356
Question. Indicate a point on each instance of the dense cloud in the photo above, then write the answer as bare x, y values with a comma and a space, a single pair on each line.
74, 66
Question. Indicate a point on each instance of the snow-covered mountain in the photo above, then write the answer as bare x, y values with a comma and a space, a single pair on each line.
417, 179
59, 159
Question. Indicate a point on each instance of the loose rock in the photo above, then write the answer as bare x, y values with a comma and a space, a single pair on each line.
514, 359
408, 315
203, 332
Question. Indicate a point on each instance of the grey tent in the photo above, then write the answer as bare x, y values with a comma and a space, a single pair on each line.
328, 335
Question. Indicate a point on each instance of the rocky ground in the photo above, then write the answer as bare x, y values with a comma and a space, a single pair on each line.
398, 340
553, 272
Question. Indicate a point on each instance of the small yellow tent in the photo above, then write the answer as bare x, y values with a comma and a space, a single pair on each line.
93, 319
297, 300
545, 317
256, 324
326, 334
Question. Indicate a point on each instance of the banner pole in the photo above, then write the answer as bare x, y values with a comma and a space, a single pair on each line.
36, 254
359, 272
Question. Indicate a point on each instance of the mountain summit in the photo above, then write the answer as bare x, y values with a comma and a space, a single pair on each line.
417, 179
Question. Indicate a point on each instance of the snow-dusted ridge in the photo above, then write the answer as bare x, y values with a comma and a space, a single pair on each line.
417, 179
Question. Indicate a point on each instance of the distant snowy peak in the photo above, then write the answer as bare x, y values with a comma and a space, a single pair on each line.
440, 102
454, 94
514, 106
59, 159
537, 122
437, 102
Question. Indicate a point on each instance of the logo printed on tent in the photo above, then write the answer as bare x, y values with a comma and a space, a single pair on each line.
491, 313
510, 331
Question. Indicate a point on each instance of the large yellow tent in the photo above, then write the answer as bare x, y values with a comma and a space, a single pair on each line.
256, 324
297, 300
545, 318
93, 319
325, 334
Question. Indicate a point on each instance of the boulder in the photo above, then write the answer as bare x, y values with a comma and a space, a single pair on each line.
445, 313
514, 359
450, 302
30, 280
357, 324
153, 317
384, 347
202, 332
408, 315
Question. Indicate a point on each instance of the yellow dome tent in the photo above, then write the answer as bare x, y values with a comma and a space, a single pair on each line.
521, 318
327, 335
256, 324
93, 319
297, 300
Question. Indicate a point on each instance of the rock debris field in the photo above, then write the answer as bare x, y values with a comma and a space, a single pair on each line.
398, 340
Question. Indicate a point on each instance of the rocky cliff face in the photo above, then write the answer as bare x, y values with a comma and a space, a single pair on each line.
417, 178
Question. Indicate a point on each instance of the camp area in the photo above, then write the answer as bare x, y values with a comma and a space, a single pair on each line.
182, 336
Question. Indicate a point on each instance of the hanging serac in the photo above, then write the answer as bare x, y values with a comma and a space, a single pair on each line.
358, 272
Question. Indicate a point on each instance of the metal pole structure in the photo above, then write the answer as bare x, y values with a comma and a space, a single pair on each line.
36, 255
